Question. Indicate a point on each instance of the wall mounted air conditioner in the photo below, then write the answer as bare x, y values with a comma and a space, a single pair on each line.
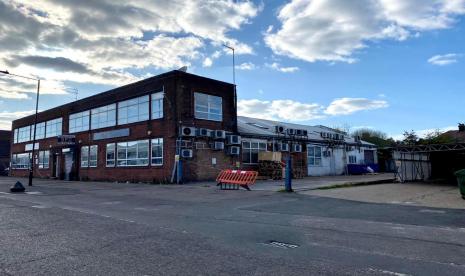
296, 148
283, 147
187, 153
290, 131
280, 129
304, 132
203, 132
218, 146
188, 131
218, 134
234, 150
233, 140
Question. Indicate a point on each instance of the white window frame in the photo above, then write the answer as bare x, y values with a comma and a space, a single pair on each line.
53, 127
250, 150
21, 166
44, 159
208, 114
119, 162
110, 162
81, 118
157, 105
315, 156
93, 158
107, 111
157, 142
141, 104
352, 159
40, 131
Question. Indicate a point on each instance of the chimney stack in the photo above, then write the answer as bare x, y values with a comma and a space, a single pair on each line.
461, 127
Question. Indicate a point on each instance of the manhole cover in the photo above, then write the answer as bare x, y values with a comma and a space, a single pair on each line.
281, 244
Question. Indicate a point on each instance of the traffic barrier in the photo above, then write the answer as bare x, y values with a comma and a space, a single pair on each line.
233, 179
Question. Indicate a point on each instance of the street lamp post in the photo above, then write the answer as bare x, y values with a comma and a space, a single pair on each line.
234, 75
31, 164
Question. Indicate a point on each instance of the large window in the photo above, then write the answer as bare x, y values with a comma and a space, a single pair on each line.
352, 159
53, 127
157, 152
24, 134
40, 131
157, 105
104, 116
135, 153
133, 110
250, 151
111, 155
84, 157
89, 156
15, 136
44, 159
79, 121
21, 161
314, 155
208, 107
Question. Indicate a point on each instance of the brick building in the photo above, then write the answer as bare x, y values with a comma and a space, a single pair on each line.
5, 137
138, 132
132, 133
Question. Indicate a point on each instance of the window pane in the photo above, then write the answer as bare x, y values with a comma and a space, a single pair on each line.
208, 107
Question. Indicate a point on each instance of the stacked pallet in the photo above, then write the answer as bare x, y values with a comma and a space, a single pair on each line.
269, 169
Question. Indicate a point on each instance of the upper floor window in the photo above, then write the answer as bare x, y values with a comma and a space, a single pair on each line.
40, 131
157, 105
250, 150
133, 110
79, 121
208, 107
314, 155
53, 127
15, 135
24, 134
104, 116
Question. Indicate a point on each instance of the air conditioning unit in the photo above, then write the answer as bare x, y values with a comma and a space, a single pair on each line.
218, 134
357, 139
203, 132
218, 146
188, 131
299, 132
304, 132
233, 140
296, 148
336, 136
327, 153
283, 147
187, 153
280, 129
291, 131
234, 150
341, 137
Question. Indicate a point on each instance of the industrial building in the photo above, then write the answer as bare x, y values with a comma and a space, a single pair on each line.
139, 132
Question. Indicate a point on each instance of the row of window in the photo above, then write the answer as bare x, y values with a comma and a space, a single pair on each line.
46, 129
22, 160
125, 154
129, 111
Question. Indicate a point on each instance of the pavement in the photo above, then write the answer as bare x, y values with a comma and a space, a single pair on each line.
97, 228
419, 194
315, 182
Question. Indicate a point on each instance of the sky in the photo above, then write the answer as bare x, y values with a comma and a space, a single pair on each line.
389, 65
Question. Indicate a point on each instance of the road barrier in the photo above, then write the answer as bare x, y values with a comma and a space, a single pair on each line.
233, 179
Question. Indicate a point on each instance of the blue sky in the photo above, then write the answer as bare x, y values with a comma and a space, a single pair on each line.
389, 65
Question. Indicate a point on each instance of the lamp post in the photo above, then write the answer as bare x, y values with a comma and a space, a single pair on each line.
31, 165
234, 75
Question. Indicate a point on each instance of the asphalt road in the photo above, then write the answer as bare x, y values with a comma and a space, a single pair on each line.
72, 228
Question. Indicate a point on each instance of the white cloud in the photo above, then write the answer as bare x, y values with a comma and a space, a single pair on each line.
290, 110
101, 41
7, 117
345, 106
276, 66
207, 62
246, 66
442, 60
332, 30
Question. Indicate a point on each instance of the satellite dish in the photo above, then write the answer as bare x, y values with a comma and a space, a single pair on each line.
183, 69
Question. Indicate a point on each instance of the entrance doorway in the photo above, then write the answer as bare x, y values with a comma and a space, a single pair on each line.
56, 165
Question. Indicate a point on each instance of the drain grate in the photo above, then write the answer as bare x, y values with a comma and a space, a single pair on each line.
283, 245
